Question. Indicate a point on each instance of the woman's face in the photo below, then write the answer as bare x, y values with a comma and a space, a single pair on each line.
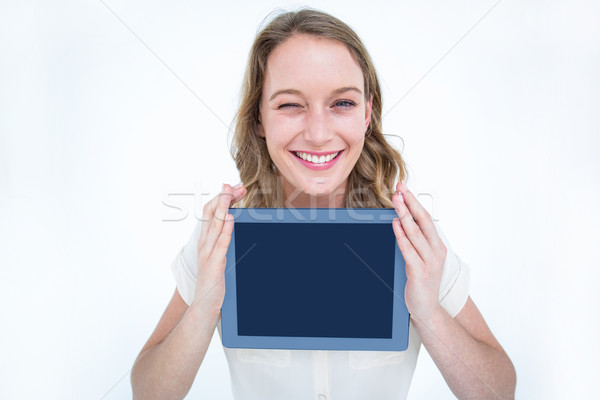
313, 116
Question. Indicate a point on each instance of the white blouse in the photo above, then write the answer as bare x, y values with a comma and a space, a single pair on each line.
263, 374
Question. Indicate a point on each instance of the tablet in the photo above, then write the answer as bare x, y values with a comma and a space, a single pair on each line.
314, 279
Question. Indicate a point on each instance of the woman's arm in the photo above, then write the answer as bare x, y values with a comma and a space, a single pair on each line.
468, 355
169, 361
464, 349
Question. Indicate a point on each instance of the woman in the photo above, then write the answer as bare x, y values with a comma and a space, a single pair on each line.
308, 134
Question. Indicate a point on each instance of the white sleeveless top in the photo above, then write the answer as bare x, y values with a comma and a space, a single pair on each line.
263, 374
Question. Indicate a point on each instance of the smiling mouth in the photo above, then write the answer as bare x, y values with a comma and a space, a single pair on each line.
316, 159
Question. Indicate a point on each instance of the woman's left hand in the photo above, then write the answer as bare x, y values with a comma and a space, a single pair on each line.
423, 251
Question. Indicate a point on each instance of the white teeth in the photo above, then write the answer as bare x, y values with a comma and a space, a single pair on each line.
316, 159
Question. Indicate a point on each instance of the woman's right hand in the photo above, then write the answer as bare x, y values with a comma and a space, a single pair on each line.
215, 235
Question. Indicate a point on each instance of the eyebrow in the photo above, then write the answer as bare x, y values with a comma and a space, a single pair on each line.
298, 92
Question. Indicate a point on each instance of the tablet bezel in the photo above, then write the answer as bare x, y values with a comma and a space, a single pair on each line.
400, 317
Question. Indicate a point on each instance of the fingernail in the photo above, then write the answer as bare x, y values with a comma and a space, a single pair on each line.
223, 188
238, 185
403, 186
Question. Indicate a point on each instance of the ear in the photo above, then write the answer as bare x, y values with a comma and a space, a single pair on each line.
368, 109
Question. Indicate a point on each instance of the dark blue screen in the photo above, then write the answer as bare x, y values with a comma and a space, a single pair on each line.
315, 279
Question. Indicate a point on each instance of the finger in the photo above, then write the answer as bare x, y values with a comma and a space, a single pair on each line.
216, 223
239, 191
208, 213
411, 229
219, 251
421, 216
217, 261
410, 255
209, 209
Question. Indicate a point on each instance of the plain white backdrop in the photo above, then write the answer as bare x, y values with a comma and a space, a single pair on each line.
111, 110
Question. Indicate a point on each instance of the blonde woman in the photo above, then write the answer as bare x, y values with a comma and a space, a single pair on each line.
308, 134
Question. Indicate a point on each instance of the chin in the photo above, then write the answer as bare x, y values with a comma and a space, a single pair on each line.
319, 188
317, 193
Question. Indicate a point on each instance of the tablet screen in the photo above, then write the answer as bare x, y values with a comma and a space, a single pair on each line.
337, 285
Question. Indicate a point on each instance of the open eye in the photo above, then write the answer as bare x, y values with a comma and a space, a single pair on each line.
345, 103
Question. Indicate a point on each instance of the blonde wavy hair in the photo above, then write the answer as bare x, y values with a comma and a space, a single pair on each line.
372, 180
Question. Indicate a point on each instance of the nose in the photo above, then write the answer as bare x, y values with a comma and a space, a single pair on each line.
319, 129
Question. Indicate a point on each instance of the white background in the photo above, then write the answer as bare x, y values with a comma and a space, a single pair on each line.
96, 132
